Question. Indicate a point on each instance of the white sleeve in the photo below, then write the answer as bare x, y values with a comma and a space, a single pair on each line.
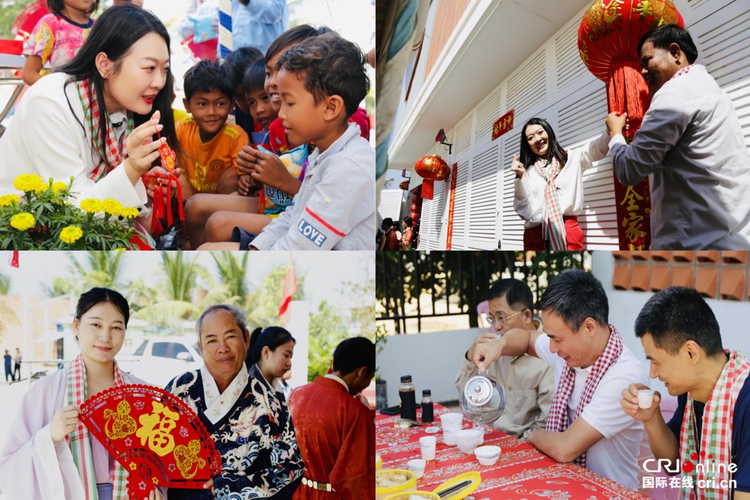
545, 354
525, 203
58, 156
663, 125
595, 151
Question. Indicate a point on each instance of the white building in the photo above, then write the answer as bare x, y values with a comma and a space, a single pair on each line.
483, 58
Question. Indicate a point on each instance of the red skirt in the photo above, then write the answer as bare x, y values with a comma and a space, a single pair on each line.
532, 237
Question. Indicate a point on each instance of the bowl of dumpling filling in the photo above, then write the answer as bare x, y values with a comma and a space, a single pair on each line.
390, 481
414, 495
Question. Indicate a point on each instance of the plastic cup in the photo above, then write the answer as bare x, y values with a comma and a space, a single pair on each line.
645, 399
451, 420
428, 445
417, 467
449, 437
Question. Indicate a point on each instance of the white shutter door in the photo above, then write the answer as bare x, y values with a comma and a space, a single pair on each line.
568, 63
512, 233
432, 212
484, 199
576, 129
528, 86
488, 111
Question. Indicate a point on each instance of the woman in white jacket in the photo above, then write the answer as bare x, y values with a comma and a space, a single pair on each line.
549, 187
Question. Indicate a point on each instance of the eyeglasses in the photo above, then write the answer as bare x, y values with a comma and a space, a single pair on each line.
502, 320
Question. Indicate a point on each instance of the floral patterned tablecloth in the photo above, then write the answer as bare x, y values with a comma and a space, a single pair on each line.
521, 473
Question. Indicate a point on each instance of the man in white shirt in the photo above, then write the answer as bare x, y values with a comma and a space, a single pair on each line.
591, 364
692, 146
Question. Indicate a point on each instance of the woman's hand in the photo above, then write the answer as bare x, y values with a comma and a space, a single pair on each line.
162, 171
518, 167
64, 422
142, 149
155, 495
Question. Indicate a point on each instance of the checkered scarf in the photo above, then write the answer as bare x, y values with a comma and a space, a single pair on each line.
78, 440
716, 436
683, 71
557, 421
553, 226
112, 152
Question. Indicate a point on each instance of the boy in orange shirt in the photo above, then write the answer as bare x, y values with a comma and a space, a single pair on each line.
211, 145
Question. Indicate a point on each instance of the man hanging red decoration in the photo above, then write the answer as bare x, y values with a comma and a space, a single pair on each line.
607, 42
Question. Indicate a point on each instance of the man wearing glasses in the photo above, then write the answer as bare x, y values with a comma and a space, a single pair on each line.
529, 382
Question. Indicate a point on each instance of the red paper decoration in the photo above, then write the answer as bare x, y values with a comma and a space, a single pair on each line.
432, 168
156, 437
404, 185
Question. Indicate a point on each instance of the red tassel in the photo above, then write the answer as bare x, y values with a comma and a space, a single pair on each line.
627, 92
262, 199
14, 259
170, 219
427, 188
158, 211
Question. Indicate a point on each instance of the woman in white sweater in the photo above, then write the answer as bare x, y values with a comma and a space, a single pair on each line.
549, 187
96, 118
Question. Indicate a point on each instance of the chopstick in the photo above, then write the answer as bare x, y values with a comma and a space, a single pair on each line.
453, 489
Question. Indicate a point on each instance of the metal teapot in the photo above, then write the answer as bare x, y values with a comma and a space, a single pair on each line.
482, 399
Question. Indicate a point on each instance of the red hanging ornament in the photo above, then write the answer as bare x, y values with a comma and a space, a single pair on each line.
404, 185
414, 199
414, 216
432, 168
414, 208
14, 259
608, 45
162, 209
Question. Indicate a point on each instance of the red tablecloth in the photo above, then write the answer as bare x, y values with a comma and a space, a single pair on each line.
521, 473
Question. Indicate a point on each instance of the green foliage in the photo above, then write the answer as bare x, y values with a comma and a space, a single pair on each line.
9, 12
327, 329
4, 284
52, 217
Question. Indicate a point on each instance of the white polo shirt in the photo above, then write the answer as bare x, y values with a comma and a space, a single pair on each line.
616, 456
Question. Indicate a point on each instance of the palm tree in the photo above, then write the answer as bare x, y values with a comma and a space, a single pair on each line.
233, 275
180, 276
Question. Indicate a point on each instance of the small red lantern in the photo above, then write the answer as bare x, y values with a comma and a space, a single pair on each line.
414, 208
404, 185
413, 199
432, 168
414, 216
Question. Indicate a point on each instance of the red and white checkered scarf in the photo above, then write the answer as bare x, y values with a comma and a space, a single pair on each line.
553, 226
112, 151
557, 421
78, 440
716, 433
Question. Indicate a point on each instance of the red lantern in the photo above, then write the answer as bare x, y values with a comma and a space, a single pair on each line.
414, 208
413, 199
404, 185
414, 216
432, 168
607, 43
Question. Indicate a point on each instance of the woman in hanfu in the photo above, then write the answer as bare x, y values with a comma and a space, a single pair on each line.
49, 453
97, 118
549, 186
242, 410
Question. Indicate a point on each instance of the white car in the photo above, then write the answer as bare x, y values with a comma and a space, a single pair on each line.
159, 360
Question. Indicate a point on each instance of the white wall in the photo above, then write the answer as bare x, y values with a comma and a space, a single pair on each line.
432, 360
390, 204
624, 307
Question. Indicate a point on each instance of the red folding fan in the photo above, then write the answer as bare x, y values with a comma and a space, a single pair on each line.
156, 437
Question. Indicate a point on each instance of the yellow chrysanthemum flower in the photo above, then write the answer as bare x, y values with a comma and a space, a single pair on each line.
91, 205
59, 187
22, 221
112, 207
71, 234
129, 212
27, 182
9, 199
41, 188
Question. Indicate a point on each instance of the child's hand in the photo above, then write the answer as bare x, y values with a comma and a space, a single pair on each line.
142, 150
270, 171
244, 184
247, 160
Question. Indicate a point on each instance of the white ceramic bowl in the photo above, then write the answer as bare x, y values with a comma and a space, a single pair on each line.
417, 467
467, 440
488, 455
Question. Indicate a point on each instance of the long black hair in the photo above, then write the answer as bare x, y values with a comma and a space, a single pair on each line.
271, 337
293, 36
528, 157
114, 33
97, 296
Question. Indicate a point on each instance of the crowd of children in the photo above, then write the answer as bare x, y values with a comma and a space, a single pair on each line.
294, 171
